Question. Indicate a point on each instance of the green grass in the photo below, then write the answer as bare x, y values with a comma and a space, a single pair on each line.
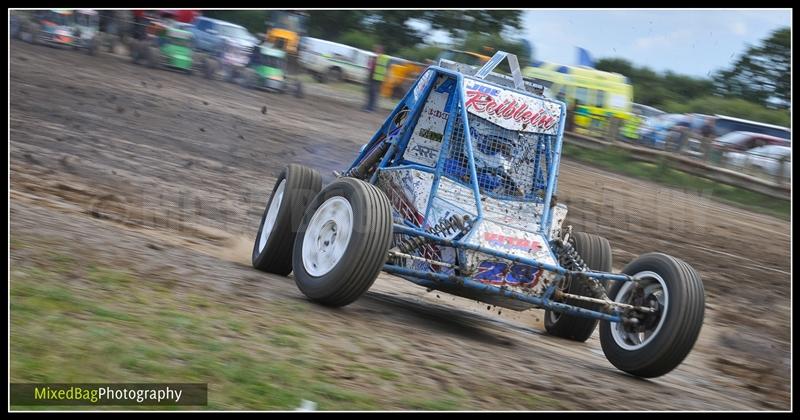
619, 161
76, 320
68, 332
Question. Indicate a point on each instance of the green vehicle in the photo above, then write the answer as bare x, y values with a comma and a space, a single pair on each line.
267, 69
171, 48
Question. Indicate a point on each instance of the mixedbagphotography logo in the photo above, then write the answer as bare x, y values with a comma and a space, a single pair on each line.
147, 394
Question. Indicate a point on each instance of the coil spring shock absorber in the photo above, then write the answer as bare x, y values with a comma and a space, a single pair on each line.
446, 226
367, 164
569, 258
450, 225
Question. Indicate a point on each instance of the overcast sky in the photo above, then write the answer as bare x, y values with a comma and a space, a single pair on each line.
692, 42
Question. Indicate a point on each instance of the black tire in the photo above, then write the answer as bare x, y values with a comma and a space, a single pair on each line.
112, 42
36, 34
152, 55
231, 74
363, 256
135, 50
253, 80
681, 325
302, 184
209, 66
596, 252
335, 74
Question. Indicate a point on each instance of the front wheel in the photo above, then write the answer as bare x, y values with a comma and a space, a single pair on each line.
294, 188
343, 242
656, 343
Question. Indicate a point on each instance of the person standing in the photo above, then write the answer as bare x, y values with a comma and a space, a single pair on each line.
707, 137
377, 73
139, 24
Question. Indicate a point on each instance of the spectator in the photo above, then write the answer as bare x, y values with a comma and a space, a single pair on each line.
377, 72
707, 134
707, 130
571, 107
678, 138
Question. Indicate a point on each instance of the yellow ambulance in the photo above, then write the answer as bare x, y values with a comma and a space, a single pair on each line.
597, 95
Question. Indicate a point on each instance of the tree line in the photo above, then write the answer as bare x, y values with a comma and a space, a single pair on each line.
756, 86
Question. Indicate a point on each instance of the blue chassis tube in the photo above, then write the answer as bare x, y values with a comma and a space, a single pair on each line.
430, 279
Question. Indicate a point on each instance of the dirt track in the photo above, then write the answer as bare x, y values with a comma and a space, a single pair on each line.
116, 158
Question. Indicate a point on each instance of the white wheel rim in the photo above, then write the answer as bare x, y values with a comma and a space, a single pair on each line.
653, 284
554, 316
327, 236
271, 216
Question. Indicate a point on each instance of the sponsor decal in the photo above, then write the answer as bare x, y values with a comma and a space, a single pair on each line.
431, 135
423, 82
483, 89
424, 152
522, 244
423, 147
496, 272
438, 114
528, 113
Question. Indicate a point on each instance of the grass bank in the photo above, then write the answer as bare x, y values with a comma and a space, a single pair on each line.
619, 161
75, 319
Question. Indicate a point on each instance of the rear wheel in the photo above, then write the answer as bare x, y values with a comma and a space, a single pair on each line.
658, 342
343, 242
253, 79
335, 74
36, 34
153, 55
294, 188
208, 66
136, 51
298, 89
596, 253
93, 47
26, 33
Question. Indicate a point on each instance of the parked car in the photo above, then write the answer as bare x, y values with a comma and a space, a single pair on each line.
333, 61
646, 111
772, 159
724, 125
229, 45
746, 140
741, 141
75, 29
266, 69
210, 35
655, 131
